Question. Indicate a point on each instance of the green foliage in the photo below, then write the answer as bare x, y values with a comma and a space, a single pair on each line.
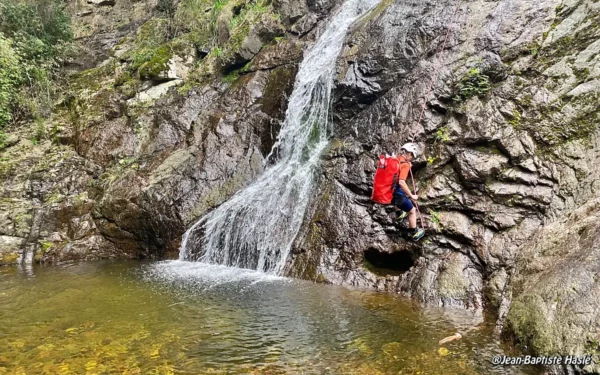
247, 67
254, 9
232, 77
10, 78
39, 28
40, 130
154, 46
534, 50
150, 47
197, 19
442, 135
473, 83
219, 4
516, 120
558, 8
153, 33
34, 35
128, 162
236, 39
250, 12
435, 219
157, 62
3, 139
216, 52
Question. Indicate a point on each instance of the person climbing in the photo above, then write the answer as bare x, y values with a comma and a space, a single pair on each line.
402, 195
389, 186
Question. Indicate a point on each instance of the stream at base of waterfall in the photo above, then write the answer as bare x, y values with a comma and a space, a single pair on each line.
174, 317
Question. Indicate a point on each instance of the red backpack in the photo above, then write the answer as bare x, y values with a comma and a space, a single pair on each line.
385, 178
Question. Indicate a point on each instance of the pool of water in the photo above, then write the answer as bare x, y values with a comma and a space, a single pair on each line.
188, 318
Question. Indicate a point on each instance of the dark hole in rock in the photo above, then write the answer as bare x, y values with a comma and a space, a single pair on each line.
438, 107
238, 9
233, 67
382, 263
202, 52
417, 165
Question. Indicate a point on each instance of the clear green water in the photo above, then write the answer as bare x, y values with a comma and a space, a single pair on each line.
186, 318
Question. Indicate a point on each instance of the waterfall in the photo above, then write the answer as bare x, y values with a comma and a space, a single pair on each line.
255, 229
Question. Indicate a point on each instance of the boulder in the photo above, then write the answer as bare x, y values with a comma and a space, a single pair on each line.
154, 92
291, 10
305, 24
102, 2
476, 166
556, 297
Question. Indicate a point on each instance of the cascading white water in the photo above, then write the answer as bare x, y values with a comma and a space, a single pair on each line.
256, 228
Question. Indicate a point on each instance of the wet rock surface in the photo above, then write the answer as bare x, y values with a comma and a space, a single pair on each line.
509, 133
135, 159
500, 163
555, 291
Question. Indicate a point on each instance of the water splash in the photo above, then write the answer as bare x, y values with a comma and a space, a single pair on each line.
255, 229
203, 276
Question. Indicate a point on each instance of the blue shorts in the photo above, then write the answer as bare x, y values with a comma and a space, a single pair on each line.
402, 202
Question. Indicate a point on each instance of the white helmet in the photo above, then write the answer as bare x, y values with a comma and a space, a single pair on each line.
412, 148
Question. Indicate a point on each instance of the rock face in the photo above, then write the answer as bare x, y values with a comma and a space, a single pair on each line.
142, 148
511, 141
171, 122
498, 164
556, 296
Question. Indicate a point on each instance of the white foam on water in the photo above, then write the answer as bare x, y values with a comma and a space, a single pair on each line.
205, 275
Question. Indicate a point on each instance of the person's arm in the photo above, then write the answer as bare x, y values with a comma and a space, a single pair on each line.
406, 190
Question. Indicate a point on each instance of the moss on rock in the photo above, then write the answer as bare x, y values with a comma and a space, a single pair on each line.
8, 258
43, 248
452, 284
157, 63
527, 324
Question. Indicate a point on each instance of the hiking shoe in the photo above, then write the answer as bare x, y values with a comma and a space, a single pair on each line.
401, 216
419, 233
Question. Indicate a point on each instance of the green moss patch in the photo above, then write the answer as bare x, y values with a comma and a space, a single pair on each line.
43, 248
158, 62
473, 83
451, 281
8, 258
526, 321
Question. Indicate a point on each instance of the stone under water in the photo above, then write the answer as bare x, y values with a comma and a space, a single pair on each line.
191, 318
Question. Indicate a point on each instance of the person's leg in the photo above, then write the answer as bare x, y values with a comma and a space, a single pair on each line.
412, 218
408, 207
397, 201
415, 233
400, 215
